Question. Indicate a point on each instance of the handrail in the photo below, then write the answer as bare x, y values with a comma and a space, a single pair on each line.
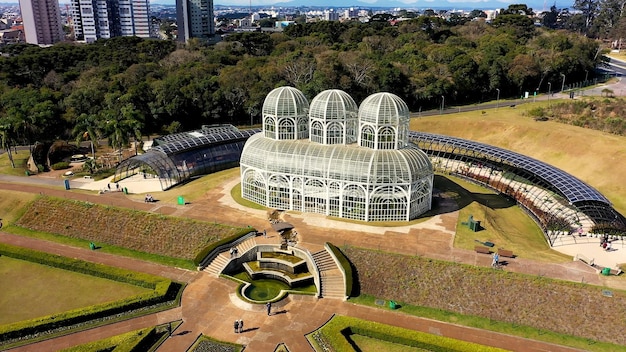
222, 248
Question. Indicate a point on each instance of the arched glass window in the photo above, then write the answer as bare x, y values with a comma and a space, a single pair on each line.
367, 137
334, 134
386, 138
354, 203
317, 132
286, 129
269, 126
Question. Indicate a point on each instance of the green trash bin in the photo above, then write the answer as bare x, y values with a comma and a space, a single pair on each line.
606, 271
392, 305
181, 200
92, 246
27, 173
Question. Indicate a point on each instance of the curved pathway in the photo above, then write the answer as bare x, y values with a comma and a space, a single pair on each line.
209, 305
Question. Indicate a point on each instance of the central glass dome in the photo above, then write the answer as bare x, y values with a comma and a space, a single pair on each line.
333, 118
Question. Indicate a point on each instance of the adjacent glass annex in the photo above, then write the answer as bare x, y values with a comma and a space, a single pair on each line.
336, 159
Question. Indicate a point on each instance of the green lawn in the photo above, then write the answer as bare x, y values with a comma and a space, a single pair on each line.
502, 221
43, 290
19, 159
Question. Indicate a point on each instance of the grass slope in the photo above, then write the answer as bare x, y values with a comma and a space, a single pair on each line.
564, 307
593, 156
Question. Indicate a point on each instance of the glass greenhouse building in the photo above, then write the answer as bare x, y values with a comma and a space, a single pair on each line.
335, 158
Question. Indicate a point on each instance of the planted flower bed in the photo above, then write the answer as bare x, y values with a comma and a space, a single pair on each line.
548, 304
137, 230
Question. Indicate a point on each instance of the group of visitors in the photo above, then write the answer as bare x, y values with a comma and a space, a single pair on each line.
238, 326
149, 198
234, 251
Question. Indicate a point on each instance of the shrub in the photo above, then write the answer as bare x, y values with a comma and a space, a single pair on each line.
60, 165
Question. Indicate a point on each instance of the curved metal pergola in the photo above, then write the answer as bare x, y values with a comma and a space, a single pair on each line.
558, 201
179, 157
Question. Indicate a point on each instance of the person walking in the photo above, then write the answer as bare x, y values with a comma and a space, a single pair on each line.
269, 308
236, 326
240, 325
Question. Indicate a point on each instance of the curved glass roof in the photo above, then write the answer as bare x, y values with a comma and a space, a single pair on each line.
180, 142
336, 162
333, 105
285, 102
573, 189
384, 109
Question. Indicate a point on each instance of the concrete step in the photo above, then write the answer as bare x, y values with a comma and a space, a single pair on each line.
218, 264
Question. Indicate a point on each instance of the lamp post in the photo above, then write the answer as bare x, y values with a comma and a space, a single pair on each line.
563, 84
549, 92
443, 103
498, 99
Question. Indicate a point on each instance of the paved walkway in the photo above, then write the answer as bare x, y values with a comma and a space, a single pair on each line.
209, 304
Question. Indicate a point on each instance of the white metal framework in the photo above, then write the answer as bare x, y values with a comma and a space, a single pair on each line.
384, 177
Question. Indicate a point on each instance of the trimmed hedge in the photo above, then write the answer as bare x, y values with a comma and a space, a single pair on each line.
346, 265
208, 249
164, 290
60, 165
138, 340
338, 330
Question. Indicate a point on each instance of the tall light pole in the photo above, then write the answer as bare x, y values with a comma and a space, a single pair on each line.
563, 84
498, 99
549, 92
443, 103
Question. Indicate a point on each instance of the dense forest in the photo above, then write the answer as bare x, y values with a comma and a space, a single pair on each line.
124, 87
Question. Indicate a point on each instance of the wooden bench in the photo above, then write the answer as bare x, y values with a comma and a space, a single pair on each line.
506, 253
482, 249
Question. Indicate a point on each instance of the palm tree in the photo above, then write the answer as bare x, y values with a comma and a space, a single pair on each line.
86, 127
119, 126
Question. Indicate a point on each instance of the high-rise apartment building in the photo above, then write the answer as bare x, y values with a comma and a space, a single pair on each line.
94, 19
194, 19
42, 21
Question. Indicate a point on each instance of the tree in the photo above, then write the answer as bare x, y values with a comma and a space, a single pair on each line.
549, 18
588, 11
87, 127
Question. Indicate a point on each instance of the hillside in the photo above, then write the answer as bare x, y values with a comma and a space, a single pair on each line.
593, 156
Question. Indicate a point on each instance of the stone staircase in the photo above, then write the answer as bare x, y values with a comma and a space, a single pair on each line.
220, 262
332, 284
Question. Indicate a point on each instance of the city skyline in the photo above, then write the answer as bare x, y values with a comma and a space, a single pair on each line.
537, 5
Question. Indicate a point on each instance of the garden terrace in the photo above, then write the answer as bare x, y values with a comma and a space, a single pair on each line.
178, 157
519, 299
559, 202
146, 232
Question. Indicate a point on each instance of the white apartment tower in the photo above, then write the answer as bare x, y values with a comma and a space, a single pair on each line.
42, 21
194, 19
94, 19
